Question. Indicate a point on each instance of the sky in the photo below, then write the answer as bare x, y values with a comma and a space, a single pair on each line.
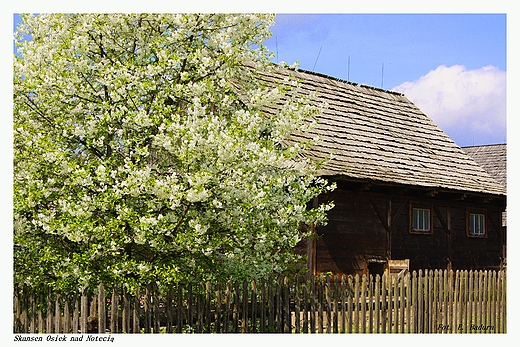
452, 66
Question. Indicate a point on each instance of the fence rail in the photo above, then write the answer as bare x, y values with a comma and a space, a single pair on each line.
418, 302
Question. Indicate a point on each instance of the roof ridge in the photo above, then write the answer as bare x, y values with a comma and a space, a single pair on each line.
345, 81
487, 145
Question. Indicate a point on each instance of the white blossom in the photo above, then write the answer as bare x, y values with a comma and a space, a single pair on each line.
141, 140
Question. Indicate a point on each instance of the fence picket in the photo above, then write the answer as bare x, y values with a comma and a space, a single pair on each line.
254, 309
363, 303
136, 327
356, 304
263, 307
369, 302
408, 297
218, 308
102, 307
287, 305
328, 304
390, 294
227, 304
425, 302
244, 315
344, 294
384, 305
377, 313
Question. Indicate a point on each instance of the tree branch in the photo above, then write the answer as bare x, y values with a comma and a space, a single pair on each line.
186, 209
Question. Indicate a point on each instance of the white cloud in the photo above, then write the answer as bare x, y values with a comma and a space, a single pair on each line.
462, 101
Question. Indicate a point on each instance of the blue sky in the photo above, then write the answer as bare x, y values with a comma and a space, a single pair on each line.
452, 66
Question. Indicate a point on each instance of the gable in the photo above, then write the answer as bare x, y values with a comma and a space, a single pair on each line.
382, 136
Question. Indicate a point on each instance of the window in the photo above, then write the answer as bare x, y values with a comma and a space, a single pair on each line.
476, 224
421, 219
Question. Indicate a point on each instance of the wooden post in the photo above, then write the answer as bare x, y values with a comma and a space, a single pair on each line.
263, 308
456, 301
377, 314
114, 312
180, 306
363, 303
49, 329
236, 307
155, 308
84, 311
40, 321
396, 303
420, 299
503, 319
244, 314
102, 310
492, 300
356, 304
125, 314
218, 308
351, 294
435, 301
32, 304
479, 299
408, 303
189, 308
16, 311
335, 300
428, 276
279, 307
254, 313
471, 301
147, 311
445, 298
287, 305
66, 317
207, 309
487, 299
228, 306
401, 303
306, 302
136, 327
385, 303
75, 314
320, 304
328, 303
200, 308
343, 303
466, 303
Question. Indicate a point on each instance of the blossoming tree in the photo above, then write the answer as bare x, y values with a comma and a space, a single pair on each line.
143, 151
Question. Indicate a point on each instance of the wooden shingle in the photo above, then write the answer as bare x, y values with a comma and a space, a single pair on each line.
492, 158
382, 136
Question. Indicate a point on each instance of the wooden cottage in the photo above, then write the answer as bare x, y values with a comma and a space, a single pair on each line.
407, 196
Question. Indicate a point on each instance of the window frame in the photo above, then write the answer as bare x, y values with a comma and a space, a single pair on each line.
421, 206
476, 211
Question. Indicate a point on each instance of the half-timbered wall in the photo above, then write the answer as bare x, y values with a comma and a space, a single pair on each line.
366, 228
354, 234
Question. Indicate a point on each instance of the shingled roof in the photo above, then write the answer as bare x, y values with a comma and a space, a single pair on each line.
382, 136
492, 158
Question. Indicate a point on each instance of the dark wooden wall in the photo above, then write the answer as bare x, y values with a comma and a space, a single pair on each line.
425, 251
354, 234
372, 225
476, 253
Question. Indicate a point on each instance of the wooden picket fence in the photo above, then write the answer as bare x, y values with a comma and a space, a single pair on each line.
437, 301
